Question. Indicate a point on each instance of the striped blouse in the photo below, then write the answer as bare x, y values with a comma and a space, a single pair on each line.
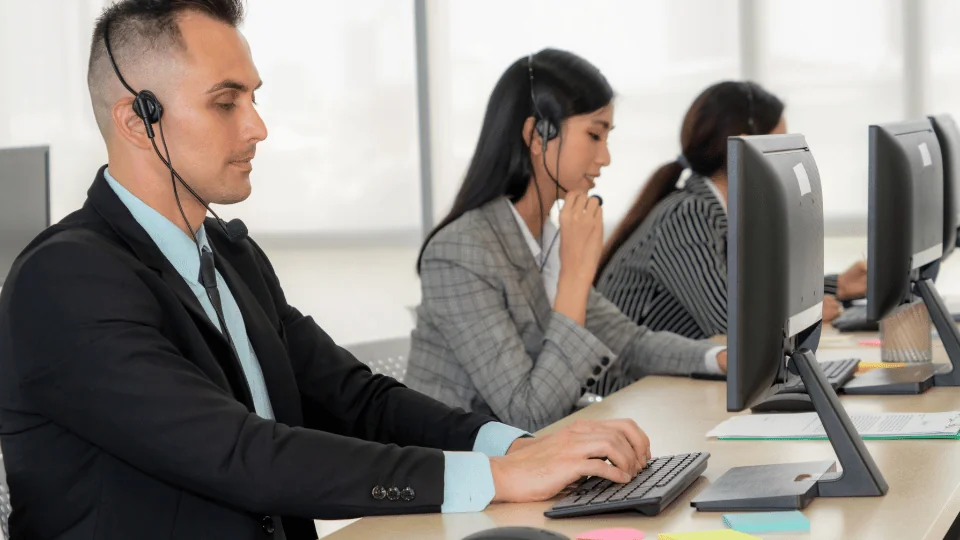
671, 273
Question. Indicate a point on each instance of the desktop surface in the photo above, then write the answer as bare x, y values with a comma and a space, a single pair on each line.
924, 475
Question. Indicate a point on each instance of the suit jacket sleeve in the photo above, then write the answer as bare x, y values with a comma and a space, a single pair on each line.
465, 294
641, 350
91, 358
340, 393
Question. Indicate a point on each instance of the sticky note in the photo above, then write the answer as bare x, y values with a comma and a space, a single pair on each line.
723, 534
869, 343
612, 534
802, 178
766, 522
925, 155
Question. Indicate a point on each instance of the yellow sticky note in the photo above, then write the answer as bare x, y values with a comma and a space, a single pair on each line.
722, 534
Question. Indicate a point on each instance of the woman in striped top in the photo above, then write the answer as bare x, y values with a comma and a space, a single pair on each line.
665, 265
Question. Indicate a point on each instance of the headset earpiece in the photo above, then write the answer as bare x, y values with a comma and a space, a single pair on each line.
148, 108
547, 130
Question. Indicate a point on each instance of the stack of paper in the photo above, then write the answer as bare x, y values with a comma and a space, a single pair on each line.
807, 426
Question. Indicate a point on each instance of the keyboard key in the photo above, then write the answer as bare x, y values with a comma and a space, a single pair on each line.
566, 502
623, 494
605, 495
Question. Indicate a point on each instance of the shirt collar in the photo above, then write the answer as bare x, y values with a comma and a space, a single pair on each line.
173, 243
549, 231
716, 193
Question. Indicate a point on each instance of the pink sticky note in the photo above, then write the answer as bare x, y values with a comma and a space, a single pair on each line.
612, 534
869, 342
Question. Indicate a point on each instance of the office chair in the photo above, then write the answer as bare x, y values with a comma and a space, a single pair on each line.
386, 357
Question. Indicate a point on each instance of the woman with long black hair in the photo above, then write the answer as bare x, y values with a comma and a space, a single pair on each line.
509, 323
665, 266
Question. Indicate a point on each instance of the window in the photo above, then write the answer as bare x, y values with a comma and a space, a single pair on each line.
339, 101
657, 55
839, 68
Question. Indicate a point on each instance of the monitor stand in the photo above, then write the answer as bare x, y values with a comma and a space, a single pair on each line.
792, 486
915, 379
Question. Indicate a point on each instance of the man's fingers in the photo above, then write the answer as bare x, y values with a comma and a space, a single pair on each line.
612, 446
637, 438
596, 467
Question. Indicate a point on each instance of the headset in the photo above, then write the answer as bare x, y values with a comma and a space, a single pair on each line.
148, 108
547, 127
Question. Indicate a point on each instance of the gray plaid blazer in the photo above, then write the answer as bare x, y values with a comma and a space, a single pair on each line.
487, 339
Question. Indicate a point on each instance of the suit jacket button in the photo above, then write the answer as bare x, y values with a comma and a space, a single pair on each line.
597, 370
591, 382
408, 494
605, 360
379, 493
267, 524
393, 494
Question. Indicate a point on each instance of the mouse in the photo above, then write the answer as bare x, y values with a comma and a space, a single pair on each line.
516, 533
784, 403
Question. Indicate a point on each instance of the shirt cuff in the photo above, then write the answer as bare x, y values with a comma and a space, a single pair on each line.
494, 438
711, 362
467, 482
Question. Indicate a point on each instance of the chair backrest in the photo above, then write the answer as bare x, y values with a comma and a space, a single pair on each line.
5, 508
387, 356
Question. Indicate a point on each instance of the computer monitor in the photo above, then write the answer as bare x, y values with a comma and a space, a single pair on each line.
24, 200
949, 138
774, 318
905, 245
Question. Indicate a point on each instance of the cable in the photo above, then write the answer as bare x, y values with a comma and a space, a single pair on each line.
546, 254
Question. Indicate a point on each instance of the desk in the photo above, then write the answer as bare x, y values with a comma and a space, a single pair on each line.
923, 475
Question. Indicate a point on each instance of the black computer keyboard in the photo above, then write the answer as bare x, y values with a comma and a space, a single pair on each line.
653, 489
838, 372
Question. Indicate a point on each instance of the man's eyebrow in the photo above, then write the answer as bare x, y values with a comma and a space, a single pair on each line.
229, 84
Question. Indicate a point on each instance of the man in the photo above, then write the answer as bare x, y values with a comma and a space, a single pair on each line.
145, 394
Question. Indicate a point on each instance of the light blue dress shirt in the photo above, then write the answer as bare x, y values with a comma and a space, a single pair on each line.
467, 479
182, 254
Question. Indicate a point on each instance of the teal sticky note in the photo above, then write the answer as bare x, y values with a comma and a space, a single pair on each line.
767, 522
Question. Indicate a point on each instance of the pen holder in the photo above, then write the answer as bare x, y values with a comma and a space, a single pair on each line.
905, 335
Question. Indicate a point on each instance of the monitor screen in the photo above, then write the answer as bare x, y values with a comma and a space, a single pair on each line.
24, 200
949, 138
905, 222
774, 260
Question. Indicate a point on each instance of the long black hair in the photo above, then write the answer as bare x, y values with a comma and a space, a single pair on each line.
723, 110
563, 85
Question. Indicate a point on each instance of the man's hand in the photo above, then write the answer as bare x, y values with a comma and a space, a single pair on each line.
831, 308
852, 283
722, 360
524, 442
540, 468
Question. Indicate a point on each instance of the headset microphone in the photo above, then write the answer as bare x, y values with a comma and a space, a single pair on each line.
236, 230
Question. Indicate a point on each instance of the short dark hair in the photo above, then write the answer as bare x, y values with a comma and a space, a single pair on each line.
138, 27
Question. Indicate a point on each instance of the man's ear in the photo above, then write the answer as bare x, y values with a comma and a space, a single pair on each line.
129, 125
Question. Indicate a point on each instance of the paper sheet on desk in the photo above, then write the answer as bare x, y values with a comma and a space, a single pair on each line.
807, 426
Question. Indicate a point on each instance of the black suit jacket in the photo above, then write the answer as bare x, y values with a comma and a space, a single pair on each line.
125, 414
